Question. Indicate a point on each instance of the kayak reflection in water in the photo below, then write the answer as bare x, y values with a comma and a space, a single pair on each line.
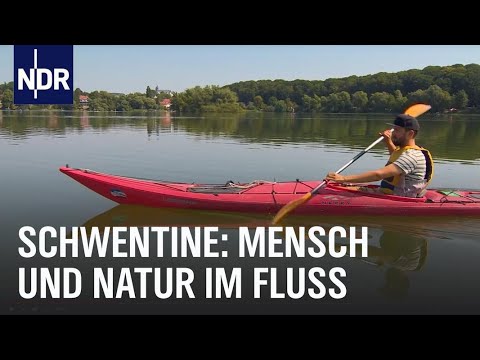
390, 248
409, 169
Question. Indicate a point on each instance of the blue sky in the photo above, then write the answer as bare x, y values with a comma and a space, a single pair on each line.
131, 68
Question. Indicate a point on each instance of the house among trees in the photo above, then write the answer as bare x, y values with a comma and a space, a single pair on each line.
166, 103
83, 100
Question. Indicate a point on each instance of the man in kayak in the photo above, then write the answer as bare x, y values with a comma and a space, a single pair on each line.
409, 168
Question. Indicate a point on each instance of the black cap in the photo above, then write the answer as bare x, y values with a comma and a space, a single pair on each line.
406, 121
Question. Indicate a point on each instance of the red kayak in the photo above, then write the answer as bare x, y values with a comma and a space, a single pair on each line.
269, 197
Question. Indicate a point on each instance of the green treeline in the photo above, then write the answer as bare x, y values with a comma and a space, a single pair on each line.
97, 100
446, 88
207, 99
443, 87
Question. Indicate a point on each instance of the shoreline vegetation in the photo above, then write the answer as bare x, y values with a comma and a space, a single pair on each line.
447, 89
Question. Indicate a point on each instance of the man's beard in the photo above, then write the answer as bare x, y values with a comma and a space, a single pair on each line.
398, 142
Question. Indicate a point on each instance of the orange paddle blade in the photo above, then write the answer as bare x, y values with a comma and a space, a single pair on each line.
290, 207
417, 109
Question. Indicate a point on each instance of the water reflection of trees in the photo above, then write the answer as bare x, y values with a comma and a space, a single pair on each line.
452, 137
160, 124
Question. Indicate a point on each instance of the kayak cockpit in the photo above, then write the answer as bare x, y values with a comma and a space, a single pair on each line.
228, 188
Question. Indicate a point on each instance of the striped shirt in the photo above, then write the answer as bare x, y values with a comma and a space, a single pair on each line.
414, 167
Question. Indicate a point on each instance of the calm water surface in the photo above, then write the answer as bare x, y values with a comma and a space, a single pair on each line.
416, 265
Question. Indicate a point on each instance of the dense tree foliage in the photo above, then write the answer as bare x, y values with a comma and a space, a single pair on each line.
207, 99
444, 87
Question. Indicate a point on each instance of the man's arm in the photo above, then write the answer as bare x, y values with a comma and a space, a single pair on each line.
375, 175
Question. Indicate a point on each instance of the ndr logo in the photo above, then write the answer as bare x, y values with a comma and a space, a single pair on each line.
43, 74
